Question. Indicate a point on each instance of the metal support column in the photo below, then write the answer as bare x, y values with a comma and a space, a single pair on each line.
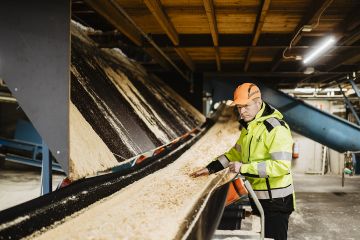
356, 89
46, 173
348, 103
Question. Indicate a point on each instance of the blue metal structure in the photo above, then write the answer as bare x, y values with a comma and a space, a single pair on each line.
322, 127
350, 106
26, 147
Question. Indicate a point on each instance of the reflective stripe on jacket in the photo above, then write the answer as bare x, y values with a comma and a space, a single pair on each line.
265, 149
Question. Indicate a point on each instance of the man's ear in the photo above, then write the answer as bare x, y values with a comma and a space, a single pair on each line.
259, 103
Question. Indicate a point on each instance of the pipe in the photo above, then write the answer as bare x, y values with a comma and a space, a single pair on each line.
259, 207
122, 11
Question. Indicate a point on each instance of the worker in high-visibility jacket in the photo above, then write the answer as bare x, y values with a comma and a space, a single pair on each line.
263, 154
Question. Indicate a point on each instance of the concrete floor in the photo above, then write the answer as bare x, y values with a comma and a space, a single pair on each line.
19, 184
325, 210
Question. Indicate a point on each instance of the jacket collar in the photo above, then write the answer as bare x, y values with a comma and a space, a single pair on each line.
265, 110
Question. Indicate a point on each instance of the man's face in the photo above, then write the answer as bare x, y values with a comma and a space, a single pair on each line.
248, 112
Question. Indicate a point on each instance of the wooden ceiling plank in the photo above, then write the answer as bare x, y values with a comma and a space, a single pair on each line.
307, 19
257, 29
105, 9
347, 55
351, 38
210, 13
218, 59
157, 10
313, 18
260, 21
186, 58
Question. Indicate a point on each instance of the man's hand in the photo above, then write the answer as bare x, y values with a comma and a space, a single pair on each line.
235, 167
201, 172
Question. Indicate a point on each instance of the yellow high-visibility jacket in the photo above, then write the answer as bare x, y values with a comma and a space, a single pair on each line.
265, 149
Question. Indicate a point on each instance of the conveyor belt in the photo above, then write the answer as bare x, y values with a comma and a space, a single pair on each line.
31, 216
131, 110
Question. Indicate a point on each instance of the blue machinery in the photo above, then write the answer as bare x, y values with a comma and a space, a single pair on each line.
28, 148
327, 129
322, 127
39, 82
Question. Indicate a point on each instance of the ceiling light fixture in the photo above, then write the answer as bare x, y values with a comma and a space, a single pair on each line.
320, 49
309, 70
307, 28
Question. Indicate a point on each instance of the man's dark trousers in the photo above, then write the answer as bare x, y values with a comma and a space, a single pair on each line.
277, 212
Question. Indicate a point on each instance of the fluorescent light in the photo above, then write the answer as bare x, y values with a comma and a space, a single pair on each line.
312, 90
321, 48
333, 89
306, 90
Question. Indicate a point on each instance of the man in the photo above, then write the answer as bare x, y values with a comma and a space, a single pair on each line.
262, 154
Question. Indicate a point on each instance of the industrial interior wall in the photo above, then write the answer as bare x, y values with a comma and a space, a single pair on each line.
129, 110
310, 152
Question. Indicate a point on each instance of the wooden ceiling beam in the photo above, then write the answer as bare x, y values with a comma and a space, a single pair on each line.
349, 56
211, 16
257, 29
306, 20
210, 13
105, 9
185, 57
225, 40
313, 18
162, 18
333, 81
348, 32
218, 59
351, 37
158, 12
